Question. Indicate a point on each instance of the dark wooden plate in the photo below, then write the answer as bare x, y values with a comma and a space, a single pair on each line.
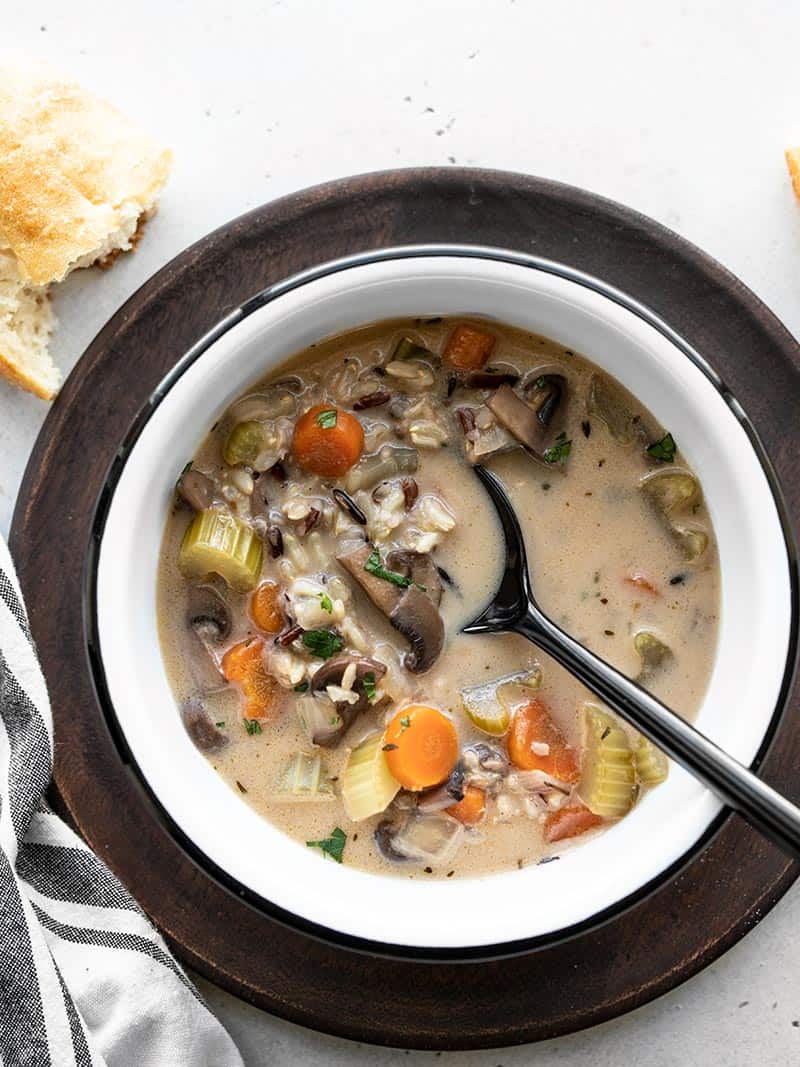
666, 935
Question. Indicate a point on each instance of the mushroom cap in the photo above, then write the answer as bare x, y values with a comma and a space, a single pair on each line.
208, 614
331, 673
412, 612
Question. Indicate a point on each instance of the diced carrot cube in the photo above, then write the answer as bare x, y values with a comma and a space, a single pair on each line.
265, 608
243, 664
471, 808
535, 743
569, 822
468, 348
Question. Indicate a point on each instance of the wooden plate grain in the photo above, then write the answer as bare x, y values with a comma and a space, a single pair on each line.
693, 915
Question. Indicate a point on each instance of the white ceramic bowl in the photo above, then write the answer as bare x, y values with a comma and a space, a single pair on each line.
620, 337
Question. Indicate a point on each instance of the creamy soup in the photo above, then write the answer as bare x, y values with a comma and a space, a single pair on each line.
328, 541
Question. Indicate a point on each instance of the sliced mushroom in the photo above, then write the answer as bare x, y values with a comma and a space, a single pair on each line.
421, 838
484, 765
384, 595
332, 672
411, 611
208, 614
196, 489
446, 794
490, 378
483, 442
416, 617
420, 568
546, 393
520, 419
197, 722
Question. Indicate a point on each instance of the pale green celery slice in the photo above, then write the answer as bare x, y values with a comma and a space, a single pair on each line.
244, 443
608, 779
653, 652
652, 765
216, 542
671, 490
305, 779
489, 705
693, 540
368, 786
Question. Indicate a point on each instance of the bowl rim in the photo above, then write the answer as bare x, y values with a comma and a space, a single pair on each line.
136, 428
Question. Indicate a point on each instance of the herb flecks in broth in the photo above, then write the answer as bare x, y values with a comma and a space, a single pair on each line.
329, 541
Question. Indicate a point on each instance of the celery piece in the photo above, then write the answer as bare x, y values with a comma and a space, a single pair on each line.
652, 765
243, 444
672, 490
408, 349
489, 705
305, 778
368, 786
693, 540
608, 779
654, 653
216, 542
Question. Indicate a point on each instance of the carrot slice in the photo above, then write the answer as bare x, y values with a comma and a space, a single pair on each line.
535, 743
265, 609
421, 746
243, 664
471, 808
468, 348
327, 440
569, 822
638, 580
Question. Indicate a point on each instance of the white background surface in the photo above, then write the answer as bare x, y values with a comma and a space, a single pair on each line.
681, 110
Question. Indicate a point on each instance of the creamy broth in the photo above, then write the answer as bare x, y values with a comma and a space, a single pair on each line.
608, 562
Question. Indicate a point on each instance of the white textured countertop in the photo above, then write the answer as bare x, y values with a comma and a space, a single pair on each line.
681, 110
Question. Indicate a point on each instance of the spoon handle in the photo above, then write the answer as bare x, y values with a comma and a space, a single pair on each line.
768, 811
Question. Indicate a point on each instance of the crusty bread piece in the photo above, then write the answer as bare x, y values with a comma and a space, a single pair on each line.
26, 322
793, 163
77, 179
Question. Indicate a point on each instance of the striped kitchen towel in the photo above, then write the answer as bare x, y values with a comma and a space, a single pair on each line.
85, 980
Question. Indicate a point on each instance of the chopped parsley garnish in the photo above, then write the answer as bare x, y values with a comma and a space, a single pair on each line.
540, 383
326, 603
301, 687
253, 726
374, 566
322, 643
559, 451
369, 686
219, 725
332, 846
327, 418
664, 449
405, 722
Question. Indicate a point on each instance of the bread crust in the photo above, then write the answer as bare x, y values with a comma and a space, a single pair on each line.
793, 163
73, 172
13, 371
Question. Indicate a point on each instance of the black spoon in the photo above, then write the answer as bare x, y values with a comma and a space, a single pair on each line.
514, 609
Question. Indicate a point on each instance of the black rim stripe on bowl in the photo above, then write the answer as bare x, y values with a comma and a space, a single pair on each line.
267, 296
